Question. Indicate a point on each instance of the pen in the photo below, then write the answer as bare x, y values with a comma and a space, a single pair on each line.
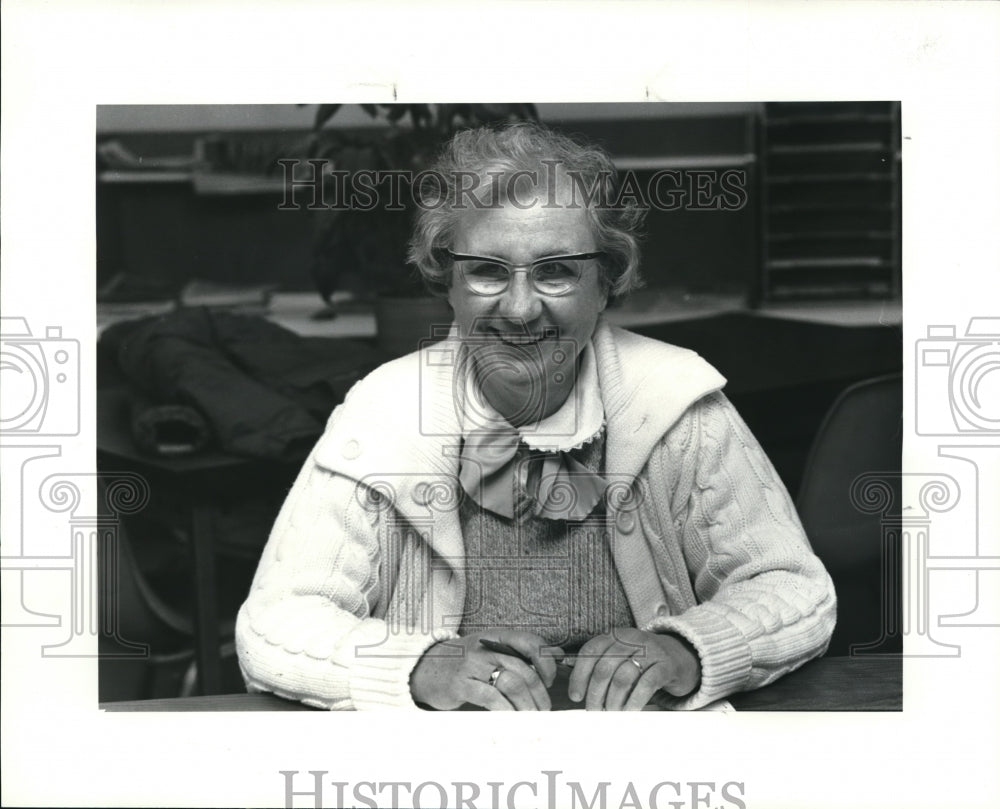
505, 649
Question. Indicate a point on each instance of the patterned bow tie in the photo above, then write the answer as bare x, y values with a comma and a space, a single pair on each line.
553, 485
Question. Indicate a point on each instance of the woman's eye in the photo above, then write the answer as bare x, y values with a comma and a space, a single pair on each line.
554, 271
488, 270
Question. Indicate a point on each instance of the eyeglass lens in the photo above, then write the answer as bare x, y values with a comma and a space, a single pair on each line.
548, 276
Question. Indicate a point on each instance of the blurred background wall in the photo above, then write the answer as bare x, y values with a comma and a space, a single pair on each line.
168, 231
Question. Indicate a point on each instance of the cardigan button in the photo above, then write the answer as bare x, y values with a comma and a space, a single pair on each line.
351, 449
625, 522
662, 611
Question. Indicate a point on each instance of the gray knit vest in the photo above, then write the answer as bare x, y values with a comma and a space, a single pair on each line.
555, 578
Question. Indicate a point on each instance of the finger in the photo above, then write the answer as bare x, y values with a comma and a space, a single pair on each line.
622, 682
531, 645
539, 693
651, 681
683, 674
600, 680
515, 690
486, 696
586, 659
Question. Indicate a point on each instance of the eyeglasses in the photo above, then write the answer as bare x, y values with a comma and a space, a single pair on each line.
551, 275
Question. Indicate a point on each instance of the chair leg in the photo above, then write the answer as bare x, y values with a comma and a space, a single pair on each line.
190, 681
189, 684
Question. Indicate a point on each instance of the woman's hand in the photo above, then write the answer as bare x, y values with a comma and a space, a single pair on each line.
454, 672
624, 668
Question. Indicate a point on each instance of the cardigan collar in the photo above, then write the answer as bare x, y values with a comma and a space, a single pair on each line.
409, 451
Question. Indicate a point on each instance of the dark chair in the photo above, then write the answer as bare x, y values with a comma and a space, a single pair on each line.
138, 591
849, 500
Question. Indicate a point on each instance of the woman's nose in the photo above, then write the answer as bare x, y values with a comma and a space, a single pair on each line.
520, 301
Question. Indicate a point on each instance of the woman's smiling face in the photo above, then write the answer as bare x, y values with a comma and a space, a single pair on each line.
527, 342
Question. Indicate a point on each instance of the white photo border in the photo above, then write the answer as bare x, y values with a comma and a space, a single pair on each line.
941, 60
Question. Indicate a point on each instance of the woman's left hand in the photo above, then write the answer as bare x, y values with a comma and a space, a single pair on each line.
624, 668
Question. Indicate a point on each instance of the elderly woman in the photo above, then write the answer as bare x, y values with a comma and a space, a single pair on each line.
537, 489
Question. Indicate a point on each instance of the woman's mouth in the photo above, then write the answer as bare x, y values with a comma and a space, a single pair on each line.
521, 339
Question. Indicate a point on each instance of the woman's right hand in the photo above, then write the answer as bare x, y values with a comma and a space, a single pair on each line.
455, 672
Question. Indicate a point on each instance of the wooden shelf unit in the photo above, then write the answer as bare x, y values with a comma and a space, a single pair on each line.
830, 200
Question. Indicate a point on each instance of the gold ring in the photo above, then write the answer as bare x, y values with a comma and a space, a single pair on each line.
495, 676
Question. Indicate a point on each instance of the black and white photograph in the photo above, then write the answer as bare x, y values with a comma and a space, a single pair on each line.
477, 530
355, 406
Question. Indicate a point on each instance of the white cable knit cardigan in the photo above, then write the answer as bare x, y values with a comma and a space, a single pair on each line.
357, 581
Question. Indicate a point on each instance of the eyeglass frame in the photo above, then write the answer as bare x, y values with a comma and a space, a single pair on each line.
525, 268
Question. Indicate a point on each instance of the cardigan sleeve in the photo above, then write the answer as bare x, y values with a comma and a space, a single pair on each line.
308, 630
765, 602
